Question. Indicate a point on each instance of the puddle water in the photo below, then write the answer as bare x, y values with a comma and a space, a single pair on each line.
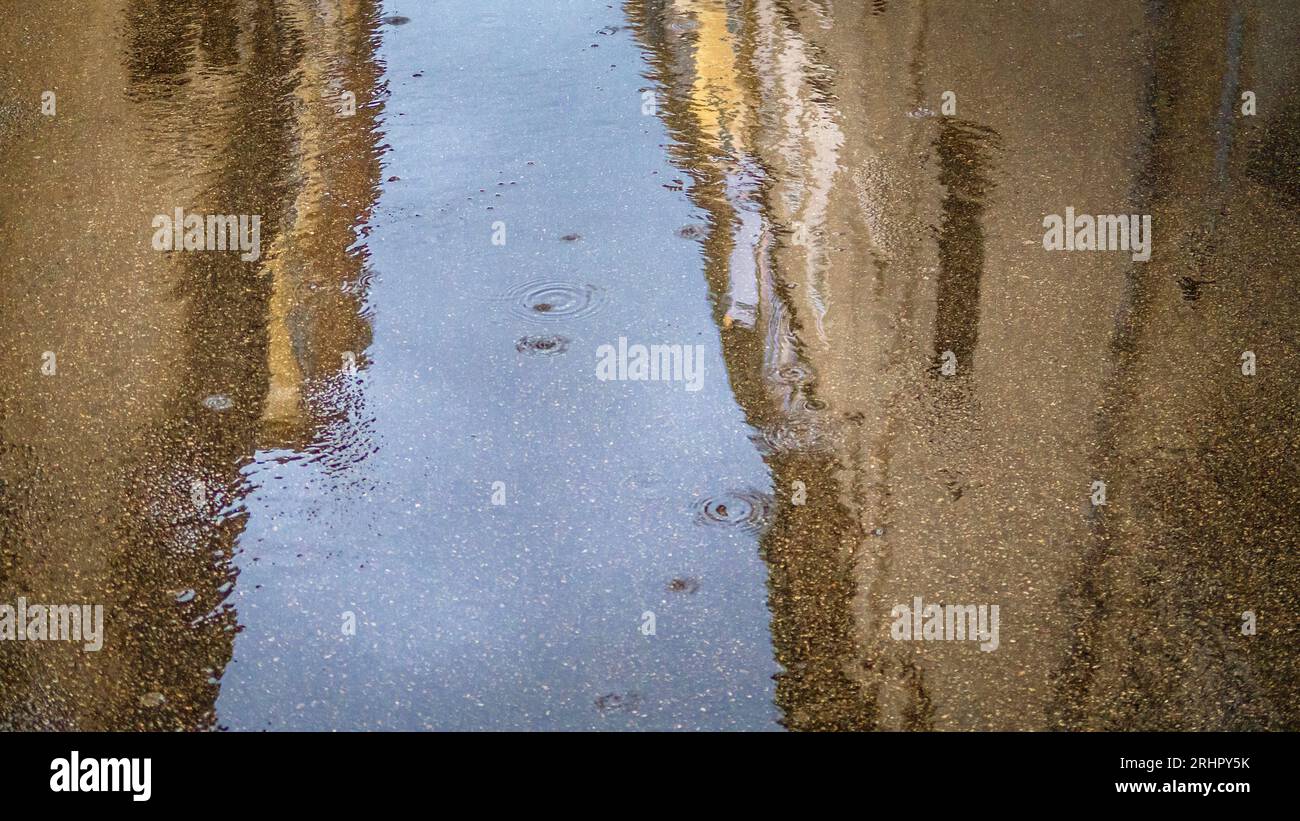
547, 301
369, 475
531, 612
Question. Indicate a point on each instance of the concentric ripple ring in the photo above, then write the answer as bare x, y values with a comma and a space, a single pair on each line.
745, 510
554, 301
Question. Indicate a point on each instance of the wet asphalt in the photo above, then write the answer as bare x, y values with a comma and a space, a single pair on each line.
377, 477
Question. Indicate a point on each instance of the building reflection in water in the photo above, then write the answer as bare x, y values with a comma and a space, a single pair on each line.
855, 235
227, 108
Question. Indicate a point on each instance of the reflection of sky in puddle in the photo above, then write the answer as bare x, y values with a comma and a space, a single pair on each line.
529, 614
